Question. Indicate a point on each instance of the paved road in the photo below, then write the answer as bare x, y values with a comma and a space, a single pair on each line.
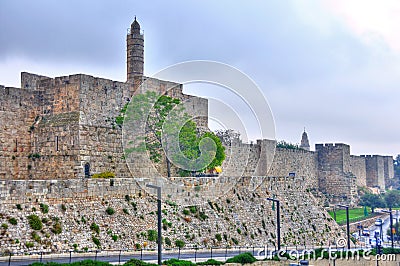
123, 258
385, 227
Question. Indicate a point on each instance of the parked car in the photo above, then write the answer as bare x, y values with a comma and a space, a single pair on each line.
378, 222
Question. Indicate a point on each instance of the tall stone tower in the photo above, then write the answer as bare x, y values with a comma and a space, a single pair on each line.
135, 51
305, 144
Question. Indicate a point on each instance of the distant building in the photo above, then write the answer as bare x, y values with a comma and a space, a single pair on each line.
305, 144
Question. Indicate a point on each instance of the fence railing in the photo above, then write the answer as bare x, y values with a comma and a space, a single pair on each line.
120, 256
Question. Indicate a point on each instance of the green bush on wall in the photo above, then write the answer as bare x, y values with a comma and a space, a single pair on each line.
35, 222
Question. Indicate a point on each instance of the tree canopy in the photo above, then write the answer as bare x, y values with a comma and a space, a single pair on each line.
373, 201
171, 134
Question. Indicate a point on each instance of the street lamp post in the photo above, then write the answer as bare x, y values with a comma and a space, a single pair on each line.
334, 213
159, 221
278, 222
347, 224
391, 224
397, 224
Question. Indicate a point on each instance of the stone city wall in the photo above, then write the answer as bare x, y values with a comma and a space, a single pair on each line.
335, 178
357, 164
301, 162
241, 217
375, 171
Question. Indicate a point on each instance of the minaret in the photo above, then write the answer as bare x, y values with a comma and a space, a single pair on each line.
305, 144
135, 51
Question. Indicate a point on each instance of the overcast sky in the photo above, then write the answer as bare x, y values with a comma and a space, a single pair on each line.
330, 66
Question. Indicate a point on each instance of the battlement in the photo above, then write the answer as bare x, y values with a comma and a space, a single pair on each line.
332, 146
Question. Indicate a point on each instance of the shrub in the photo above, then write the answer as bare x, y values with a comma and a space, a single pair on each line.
114, 237
63, 207
110, 211
218, 237
19, 207
210, 262
242, 258
127, 198
179, 243
152, 235
125, 211
29, 244
13, 221
136, 262
95, 227
35, 222
44, 208
36, 237
57, 228
239, 231
186, 212
176, 262
234, 240
96, 241
138, 246
193, 209
203, 216
168, 241
104, 175
4, 226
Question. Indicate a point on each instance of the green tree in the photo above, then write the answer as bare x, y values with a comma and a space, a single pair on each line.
179, 243
373, 201
392, 198
152, 235
170, 131
287, 145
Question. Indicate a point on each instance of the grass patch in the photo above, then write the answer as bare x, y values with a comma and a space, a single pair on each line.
354, 214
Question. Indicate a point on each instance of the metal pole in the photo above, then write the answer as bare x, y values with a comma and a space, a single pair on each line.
9, 259
119, 257
348, 227
278, 221
347, 224
397, 224
334, 213
70, 255
211, 252
159, 226
391, 227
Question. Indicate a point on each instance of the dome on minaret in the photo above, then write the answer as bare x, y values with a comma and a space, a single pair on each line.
305, 144
135, 27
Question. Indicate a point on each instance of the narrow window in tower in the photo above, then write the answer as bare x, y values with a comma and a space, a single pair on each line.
56, 141
16, 145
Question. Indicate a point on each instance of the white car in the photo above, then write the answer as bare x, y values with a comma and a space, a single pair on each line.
378, 222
